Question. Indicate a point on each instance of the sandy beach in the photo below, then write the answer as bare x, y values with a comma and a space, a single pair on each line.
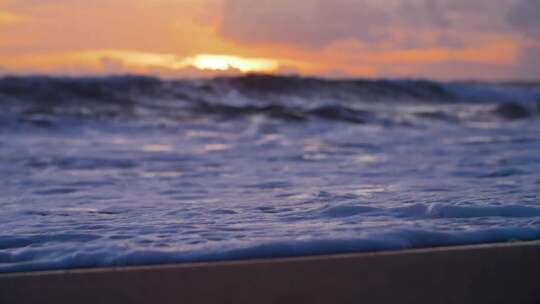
495, 273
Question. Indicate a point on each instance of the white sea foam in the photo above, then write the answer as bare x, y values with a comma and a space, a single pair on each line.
129, 171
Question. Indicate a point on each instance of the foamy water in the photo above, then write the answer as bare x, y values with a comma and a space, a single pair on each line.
129, 171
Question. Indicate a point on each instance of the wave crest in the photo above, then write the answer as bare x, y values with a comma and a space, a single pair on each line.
289, 98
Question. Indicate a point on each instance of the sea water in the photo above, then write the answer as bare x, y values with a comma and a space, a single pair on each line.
135, 170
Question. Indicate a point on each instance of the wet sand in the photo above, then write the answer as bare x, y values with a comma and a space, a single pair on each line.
494, 273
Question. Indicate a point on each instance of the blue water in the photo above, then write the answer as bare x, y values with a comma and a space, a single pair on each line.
133, 170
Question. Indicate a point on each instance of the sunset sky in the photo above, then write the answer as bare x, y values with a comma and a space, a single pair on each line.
442, 39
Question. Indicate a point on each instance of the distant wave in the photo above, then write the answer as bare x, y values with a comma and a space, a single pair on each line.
289, 98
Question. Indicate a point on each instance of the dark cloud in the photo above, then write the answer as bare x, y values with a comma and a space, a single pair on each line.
319, 23
525, 17
451, 70
396, 25
529, 63
308, 23
447, 40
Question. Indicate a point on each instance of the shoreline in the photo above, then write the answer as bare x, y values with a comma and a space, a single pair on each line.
488, 273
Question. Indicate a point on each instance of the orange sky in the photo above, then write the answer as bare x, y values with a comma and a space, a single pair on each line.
441, 39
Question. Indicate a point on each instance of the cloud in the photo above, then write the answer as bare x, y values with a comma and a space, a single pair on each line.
118, 61
529, 63
424, 38
525, 17
7, 18
451, 70
402, 23
306, 23
64, 25
500, 38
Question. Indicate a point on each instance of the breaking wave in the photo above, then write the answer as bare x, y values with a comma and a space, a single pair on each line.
132, 170
288, 98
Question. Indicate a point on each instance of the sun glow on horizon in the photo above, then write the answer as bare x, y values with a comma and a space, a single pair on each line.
131, 60
8, 18
203, 62
225, 62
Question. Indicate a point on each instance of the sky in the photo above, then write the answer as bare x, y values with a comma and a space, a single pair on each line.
440, 39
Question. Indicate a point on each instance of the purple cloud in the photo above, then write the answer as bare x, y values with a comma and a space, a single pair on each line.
319, 23
525, 17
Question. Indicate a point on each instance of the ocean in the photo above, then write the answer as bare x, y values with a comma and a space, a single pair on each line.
132, 170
